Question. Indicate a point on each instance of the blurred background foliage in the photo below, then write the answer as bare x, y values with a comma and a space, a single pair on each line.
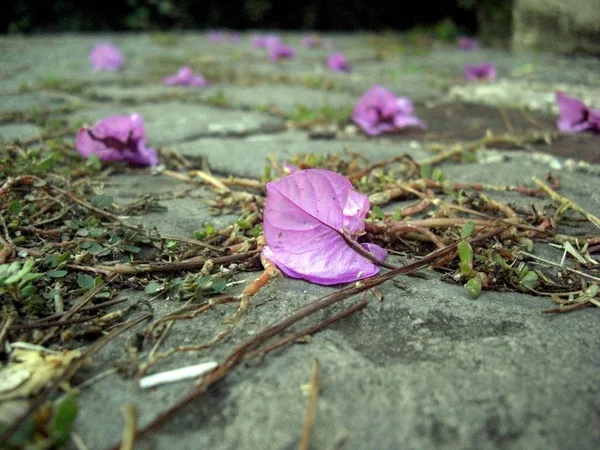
490, 18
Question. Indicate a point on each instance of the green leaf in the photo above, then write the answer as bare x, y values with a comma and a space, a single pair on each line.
15, 207
63, 258
64, 417
465, 252
27, 290
153, 287
93, 162
397, 214
473, 287
86, 282
102, 201
47, 164
171, 244
56, 273
529, 280
377, 213
132, 249
426, 171
96, 232
95, 248
467, 229
438, 175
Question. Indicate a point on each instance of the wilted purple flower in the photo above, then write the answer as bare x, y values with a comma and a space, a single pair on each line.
467, 43
106, 57
337, 63
266, 40
185, 77
575, 116
311, 41
483, 71
281, 51
117, 138
307, 216
380, 111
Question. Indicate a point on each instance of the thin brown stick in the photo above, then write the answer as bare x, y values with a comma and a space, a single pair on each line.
311, 408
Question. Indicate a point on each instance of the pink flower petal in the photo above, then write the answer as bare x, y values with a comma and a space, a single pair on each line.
337, 63
305, 216
117, 138
106, 57
483, 71
574, 115
185, 77
380, 111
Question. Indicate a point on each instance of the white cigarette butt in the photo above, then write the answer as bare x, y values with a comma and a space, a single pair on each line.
172, 376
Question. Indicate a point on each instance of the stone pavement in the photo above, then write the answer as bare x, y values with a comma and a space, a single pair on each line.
426, 367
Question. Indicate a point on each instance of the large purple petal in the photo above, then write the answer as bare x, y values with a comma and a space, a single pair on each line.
117, 138
573, 114
305, 216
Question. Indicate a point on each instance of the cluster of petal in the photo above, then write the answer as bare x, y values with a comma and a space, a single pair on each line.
336, 62
380, 111
483, 71
311, 41
281, 51
266, 40
306, 216
106, 57
185, 77
575, 116
467, 43
117, 138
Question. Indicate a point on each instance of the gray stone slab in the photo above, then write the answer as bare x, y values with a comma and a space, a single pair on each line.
181, 208
522, 94
173, 122
247, 157
19, 131
28, 101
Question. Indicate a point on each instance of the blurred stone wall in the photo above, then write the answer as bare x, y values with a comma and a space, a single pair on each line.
565, 26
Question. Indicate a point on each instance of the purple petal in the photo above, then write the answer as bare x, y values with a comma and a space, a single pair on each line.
280, 51
483, 71
573, 116
337, 63
185, 77
304, 220
117, 138
380, 111
106, 57
375, 250
266, 40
